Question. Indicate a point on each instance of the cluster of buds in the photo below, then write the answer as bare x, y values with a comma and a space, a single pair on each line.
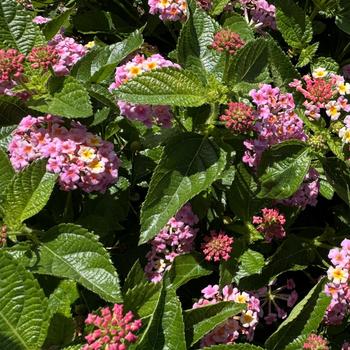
315, 342
43, 57
271, 299
225, 40
238, 117
148, 115
270, 224
217, 246
206, 5
242, 324
338, 286
112, 329
80, 158
3, 235
169, 10
174, 239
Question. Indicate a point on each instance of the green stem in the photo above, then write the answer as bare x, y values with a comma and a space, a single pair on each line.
179, 122
227, 67
67, 207
314, 13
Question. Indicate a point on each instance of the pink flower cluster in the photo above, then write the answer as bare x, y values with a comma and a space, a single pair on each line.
323, 91
41, 20
81, 158
271, 311
69, 52
316, 342
206, 5
169, 10
238, 117
225, 40
240, 325
146, 114
112, 330
217, 246
276, 121
174, 239
260, 11
338, 286
307, 193
11, 70
43, 57
270, 224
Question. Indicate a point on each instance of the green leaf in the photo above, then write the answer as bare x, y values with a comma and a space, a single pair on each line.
251, 262
307, 55
62, 297
6, 173
326, 189
202, 320
282, 169
17, 30
167, 86
6, 136
303, 319
92, 22
238, 24
195, 38
242, 196
292, 254
187, 267
249, 61
99, 64
71, 251
23, 307
338, 175
190, 163
135, 276
218, 7
27, 193
294, 25
60, 333
281, 67
52, 28
12, 110
343, 16
71, 102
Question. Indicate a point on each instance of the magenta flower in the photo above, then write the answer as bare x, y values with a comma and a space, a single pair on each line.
112, 329
41, 20
169, 10
81, 159
174, 239
217, 246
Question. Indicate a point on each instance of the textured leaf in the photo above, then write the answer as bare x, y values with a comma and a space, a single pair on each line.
52, 28
242, 196
202, 320
143, 298
27, 193
338, 175
72, 252
135, 276
61, 332
17, 30
304, 318
238, 24
62, 297
190, 164
307, 55
326, 189
99, 63
6, 173
249, 61
167, 86
292, 254
282, 69
23, 307
282, 169
72, 101
294, 25
343, 16
12, 110
96, 21
187, 267
196, 36
6, 136
251, 262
